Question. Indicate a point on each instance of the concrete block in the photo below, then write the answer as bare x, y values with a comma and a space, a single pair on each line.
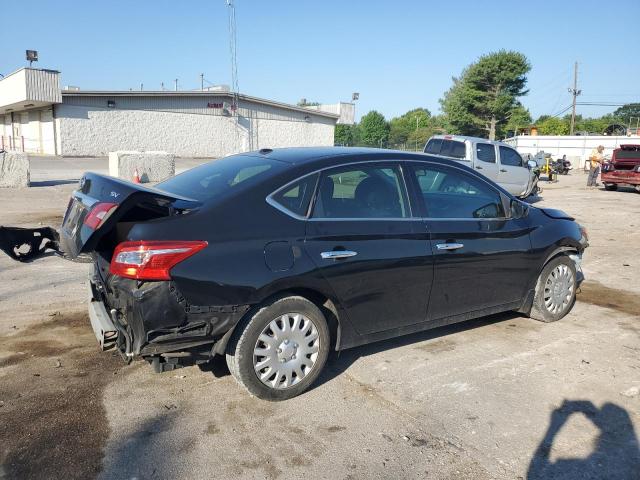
14, 169
152, 166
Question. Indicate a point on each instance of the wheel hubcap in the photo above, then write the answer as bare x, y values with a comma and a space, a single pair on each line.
286, 350
558, 289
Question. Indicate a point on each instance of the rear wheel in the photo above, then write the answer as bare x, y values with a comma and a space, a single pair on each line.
610, 186
555, 290
279, 351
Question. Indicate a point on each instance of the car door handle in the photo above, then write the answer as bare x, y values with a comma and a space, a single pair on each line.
338, 254
503, 170
449, 246
478, 167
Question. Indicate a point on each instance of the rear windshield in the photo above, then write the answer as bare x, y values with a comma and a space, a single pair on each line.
451, 148
624, 154
448, 148
221, 177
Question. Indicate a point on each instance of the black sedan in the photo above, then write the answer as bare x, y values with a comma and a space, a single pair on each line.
273, 258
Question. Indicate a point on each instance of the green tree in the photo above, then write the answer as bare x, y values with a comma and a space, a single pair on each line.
374, 129
627, 111
303, 103
481, 99
518, 118
553, 126
345, 135
402, 127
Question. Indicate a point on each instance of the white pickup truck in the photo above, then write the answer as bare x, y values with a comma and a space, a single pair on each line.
495, 160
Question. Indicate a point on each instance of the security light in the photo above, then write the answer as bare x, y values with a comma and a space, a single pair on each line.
32, 56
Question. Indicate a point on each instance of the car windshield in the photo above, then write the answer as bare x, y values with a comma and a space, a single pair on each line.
220, 178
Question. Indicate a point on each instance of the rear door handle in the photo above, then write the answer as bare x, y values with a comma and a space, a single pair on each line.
503, 170
478, 167
449, 246
338, 254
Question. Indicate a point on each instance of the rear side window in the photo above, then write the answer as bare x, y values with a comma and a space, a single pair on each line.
365, 191
296, 197
509, 157
486, 152
452, 194
222, 177
433, 146
452, 148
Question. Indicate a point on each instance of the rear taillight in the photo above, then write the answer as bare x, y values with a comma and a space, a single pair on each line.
99, 214
151, 260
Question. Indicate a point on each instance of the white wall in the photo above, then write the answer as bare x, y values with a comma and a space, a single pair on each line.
34, 127
93, 131
576, 148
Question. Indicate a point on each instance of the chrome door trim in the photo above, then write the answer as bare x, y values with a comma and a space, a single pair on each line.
427, 160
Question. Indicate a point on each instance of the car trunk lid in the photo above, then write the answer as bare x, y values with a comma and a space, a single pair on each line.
101, 202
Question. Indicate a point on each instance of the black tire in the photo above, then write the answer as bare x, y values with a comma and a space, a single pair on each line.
539, 310
240, 349
610, 186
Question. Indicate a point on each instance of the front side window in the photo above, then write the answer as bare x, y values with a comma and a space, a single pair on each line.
449, 193
509, 157
296, 197
362, 191
486, 152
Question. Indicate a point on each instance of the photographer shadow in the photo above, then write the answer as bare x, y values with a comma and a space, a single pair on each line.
616, 453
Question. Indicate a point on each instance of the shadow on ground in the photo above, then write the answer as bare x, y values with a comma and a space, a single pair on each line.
615, 454
339, 362
53, 183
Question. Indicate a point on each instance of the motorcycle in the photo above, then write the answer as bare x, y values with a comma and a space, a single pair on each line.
562, 166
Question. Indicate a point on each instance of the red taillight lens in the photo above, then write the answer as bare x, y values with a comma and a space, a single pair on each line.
151, 260
99, 214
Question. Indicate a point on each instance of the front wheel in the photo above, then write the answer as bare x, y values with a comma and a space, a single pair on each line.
555, 290
610, 186
279, 351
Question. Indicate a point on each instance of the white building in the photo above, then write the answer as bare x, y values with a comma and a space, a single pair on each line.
577, 148
38, 117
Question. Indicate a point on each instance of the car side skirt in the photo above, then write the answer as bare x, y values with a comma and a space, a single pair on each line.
355, 341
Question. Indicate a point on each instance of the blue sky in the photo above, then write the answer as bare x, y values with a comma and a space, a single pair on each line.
398, 54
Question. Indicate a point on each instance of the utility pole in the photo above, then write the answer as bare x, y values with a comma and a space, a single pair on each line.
202, 82
176, 82
575, 92
417, 120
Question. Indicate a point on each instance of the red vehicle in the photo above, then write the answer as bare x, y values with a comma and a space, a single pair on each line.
623, 169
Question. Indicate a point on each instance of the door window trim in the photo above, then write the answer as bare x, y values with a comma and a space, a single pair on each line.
411, 190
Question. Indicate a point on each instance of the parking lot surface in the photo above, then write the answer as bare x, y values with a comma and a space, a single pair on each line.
500, 397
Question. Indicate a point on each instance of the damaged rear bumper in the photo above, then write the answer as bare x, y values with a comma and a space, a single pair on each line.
153, 321
103, 328
621, 177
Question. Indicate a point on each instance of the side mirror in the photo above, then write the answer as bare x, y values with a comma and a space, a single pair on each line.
519, 209
531, 164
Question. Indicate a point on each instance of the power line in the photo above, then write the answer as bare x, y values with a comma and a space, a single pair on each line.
598, 104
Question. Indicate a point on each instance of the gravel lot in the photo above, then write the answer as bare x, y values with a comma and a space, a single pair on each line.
501, 397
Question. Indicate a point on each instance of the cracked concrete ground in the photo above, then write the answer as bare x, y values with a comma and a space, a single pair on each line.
500, 397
